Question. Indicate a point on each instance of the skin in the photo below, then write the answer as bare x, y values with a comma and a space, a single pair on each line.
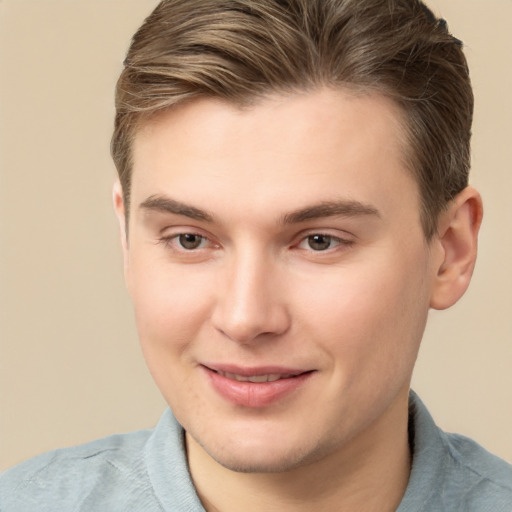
349, 306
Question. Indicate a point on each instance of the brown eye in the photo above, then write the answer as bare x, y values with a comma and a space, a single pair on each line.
319, 242
190, 241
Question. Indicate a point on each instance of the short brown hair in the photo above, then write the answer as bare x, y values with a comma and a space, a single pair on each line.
240, 50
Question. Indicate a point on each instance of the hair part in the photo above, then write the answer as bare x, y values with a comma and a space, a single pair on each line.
240, 51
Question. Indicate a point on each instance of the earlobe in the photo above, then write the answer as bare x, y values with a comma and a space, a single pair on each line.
458, 238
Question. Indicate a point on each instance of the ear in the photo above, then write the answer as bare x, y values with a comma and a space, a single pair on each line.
117, 197
457, 237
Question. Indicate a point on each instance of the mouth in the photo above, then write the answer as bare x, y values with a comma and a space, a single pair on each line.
255, 387
270, 377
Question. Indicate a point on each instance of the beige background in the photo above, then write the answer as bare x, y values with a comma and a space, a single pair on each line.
70, 366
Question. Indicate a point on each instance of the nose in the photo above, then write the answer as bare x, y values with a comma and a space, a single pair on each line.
250, 302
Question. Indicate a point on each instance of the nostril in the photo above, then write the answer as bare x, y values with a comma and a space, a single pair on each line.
247, 309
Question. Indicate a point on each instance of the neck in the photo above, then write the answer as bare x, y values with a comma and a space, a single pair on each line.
369, 474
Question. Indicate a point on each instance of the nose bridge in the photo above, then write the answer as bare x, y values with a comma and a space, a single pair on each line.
250, 302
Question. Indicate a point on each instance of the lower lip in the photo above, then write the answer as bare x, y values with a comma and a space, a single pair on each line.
255, 394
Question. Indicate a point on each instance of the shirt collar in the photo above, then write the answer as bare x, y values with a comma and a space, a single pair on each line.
167, 467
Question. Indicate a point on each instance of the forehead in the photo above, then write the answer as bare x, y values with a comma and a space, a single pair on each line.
285, 148
301, 113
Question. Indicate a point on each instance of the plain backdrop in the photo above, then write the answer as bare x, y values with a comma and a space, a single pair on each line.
70, 365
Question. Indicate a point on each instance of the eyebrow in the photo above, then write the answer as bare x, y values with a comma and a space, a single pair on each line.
344, 208
167, 205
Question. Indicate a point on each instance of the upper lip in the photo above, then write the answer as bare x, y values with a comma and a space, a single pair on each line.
254, 371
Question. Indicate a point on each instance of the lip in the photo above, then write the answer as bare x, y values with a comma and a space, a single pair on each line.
255, 394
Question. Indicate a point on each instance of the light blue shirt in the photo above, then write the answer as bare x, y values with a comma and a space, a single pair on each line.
147, 471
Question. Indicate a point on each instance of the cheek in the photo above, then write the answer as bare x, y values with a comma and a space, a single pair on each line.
372, 318
170, 307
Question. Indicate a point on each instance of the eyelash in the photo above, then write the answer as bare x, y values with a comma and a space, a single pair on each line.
173, 242
331, 238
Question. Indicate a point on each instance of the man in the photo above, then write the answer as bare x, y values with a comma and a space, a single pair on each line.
293, 199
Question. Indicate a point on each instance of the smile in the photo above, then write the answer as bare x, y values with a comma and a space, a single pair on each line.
255, 378
255, 387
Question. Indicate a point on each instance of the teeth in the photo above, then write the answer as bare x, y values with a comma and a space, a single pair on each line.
254, 378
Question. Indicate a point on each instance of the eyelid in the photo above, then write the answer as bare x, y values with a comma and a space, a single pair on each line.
337, 234
337, 240
169, 236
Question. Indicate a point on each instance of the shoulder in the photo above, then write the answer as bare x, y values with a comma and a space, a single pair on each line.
70, 475
144, 471
452, 472
485, 478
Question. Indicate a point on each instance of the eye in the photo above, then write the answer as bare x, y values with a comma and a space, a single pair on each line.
319, 242
186, 242
190, 241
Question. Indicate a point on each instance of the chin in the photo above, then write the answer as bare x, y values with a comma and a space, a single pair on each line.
262, 463
264, 457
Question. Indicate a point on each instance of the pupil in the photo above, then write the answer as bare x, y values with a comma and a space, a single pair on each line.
190, 241
319, 242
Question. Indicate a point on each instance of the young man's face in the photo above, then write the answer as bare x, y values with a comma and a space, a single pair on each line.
281, 242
